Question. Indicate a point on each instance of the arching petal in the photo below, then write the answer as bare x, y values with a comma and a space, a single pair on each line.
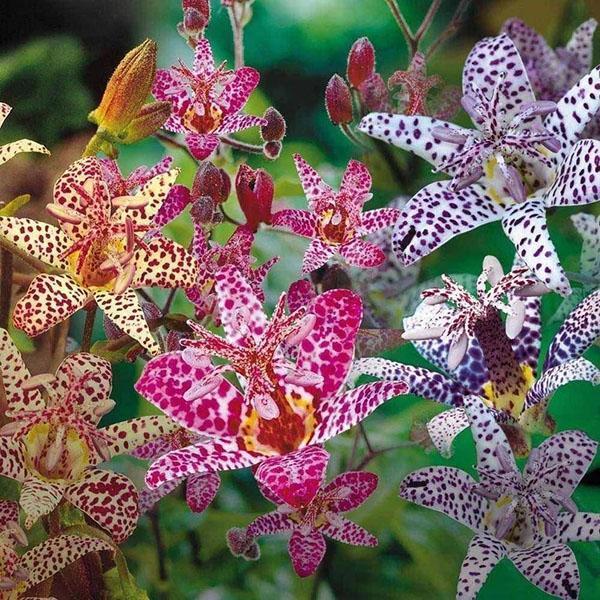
444, 427
175, 202
316, 255
126, 436
38, 498
301, 222
9, 511
581, 45
580, 527
348, 532
380, 218
362, 254
236, 93
312, 183
350, 490
204, 63
239, 122
9, 150
435, 215
357, 180
12, 461
200, 491
201, 146
147, 498
483, 555
306, 551
273, 522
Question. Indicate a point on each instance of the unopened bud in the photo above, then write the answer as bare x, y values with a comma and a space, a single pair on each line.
374, 93
254, 189
202, 210
152, 116
338, 101
361, 62
275, 128
272, 150
212, 182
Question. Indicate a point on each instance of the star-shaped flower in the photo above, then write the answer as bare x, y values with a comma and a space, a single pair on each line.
286, 404
523, 157
52, 444
307, 508
19, 573
206, 100
528, 517
493, 358
9, 150
335, 222
98, 253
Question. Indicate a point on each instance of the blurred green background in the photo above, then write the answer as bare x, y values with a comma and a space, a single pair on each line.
55, 59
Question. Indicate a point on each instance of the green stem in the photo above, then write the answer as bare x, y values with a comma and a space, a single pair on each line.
404, 28
93, 146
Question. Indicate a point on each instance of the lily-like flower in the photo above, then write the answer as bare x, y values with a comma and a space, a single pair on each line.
52, 444
98, 252
523, 157
285, 404
335, 222
307, 508
528, 517
9, 150
490, 357
200, 490
19, 573
206, 100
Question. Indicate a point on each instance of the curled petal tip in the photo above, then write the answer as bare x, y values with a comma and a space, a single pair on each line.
457, 350
493, 269
423, 333
515, 320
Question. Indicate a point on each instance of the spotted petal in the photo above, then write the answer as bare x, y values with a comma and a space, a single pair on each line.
175, 202
313, 185
580, 527
239, 122
204, 63
483, 555
273, 522
301, 222
380, 218
356, 182
294, 478
444, 427
348, 532
38, 498
12, 461
9, 511
316, 255
435, 215
526, 345
362, 254
350, 490
147, 499
588, 227
201, 146
200, 491
306, 551
9, 150
525, 225
127, 436
108, 498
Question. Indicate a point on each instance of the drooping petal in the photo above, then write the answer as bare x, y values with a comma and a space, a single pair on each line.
49, 300
350, 490
306, 551
443, 428
125, 312
348, 532
316, 255
294, 478
580, 527
12, 461
108, 498
127, 436
551, 568
167, 378
200, 491
301, 222
40, 240
239, 122
217, 455
483, 555
9, 150
38, 498
525, 225
577, 333
362, 254
435, 215
270, 523
580, 44
574, 111
338, 413
313, 185
578, 179
380, 218
447, 490
147, 499
201, 146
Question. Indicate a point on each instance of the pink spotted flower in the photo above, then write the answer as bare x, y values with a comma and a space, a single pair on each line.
335, 222
307, 508
207, 100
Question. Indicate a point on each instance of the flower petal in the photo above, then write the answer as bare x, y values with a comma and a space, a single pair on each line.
273, 522
526, 345
127, 436
483, 555
201, 146
316, 255
147, 498
350, 490
525, 225
294, 478
108, 498
125, 312
580, 527
301, 222
204, 63
447, 490
171, 87
380, 218
38, 498
9, 511
12, 461
9, 150
348, 532
49, 300
551, 568
588, 227
356, 181
306, 552
200, 491
444, 427
362, 254
239, 122
313, 185
175, 202
436, 214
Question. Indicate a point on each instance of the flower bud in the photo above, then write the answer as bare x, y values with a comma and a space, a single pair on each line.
272, 150
254, 189
127, 89
374, 93
151, 117
361, 62
203, 210
212, 182
196, 15
338, 101
275, 128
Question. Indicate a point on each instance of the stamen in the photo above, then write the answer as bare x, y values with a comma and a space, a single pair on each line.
7, 583
446, 134
65, 215
304, 378
516, 319
506, 521
305, 326
103, 407
204, 386
423, 333
101, 447
475, 175
502, 454
17, 532
539, 108
54, 452
38, 381
11, 429
195, 359
514, 183
457, 350
471, 108
493, 269
133, 202
266, 407
124, 279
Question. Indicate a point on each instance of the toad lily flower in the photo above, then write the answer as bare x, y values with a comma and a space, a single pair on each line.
336, 223
523, 157
286, 405
493, 358
307, 508
52, 444
200, 490
98, 251
207, 100
9, 150
19, 573
514, 514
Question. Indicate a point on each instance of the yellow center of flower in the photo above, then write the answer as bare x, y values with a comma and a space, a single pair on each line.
203, 118
509, 402
334, 226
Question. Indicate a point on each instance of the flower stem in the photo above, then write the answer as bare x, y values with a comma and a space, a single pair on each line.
167, 307
243, 146
237, 15
154, 517
452, 27
170, 141
6, 273
404, 28
88, 328
93, 146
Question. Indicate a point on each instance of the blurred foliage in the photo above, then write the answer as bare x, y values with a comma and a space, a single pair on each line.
297, 46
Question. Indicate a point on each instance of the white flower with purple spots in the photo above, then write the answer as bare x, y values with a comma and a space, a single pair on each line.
528, 517
523, 157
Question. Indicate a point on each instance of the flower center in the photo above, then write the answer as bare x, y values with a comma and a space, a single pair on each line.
334, 226
203, 117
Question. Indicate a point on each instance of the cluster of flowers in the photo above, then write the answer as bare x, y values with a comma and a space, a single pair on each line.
291, 377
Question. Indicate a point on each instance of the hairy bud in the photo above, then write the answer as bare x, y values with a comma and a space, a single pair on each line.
361, 62
272, 150
254, 189
212, 182
338, 101
274, 130
151, 117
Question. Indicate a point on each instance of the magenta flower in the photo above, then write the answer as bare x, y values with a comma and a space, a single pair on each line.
52, 444
523, 157
207, 101
528, 517
335, 222
307, 508
286, 403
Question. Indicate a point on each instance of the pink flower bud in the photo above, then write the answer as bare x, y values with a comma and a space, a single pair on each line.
196, 15
254, 189
338, 101
275, 128
375, 93
212, 182
272, 150
361, 62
